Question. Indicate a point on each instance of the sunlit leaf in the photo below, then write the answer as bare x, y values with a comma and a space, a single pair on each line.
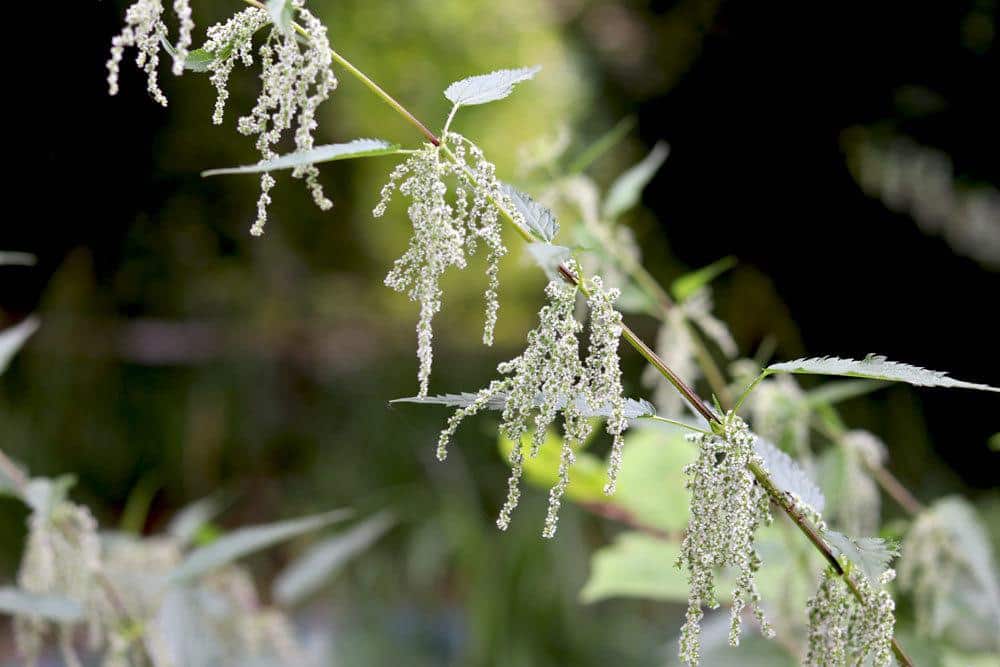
311, 571
488, 87
539, 220
587, 476
874, 367
690, 283
19, 602
246, 541
627, 189
636, 565
651, 481
352, 149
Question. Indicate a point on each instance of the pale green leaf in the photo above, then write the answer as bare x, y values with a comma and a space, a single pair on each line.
869, 555
874, 367
789, 475
488, 87
246, 541
12, 338
549, 257
317, 566
636, 565
281, 14
838, 391
19, 602
690, 283
352, 149
539, 220
627, 189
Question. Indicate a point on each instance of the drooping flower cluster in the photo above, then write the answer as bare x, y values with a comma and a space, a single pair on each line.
62, 557
444, 231
231, 42
296, 79
144, 31
549, 379
727, 507
846, 631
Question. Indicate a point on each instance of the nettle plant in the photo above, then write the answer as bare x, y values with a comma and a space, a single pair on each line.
738, 479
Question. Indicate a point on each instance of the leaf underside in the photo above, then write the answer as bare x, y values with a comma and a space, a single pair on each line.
540, 221
875, 367
870, 555
488, 87
634, 409
328, 153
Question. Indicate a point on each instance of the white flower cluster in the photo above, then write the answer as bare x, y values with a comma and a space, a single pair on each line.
145, 31
444, 231
296, 79
843, 630
62, 557
727, 507
231, 42
549, 379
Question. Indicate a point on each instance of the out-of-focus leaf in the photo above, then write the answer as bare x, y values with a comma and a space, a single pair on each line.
651, 482
753, 651
321, 562
875, 367
602, 145
488, 87
328, 153
587, 476
636, 565
690, 283
838, 391
538, 219
12, 338
184, 630
245, 541
627, 189
789, 475
17, 258
186, 524
19, 602
549, 257
995, 442
870, 555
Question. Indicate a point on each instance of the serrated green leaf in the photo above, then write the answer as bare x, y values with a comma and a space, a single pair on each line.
627, 189
538, 219
12, 338
19, 602
689, 283
636, 565
246, 541
311, 571
352, 149
198, 60
875, 367
869, 555
280, 12
634, 408
488, 87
